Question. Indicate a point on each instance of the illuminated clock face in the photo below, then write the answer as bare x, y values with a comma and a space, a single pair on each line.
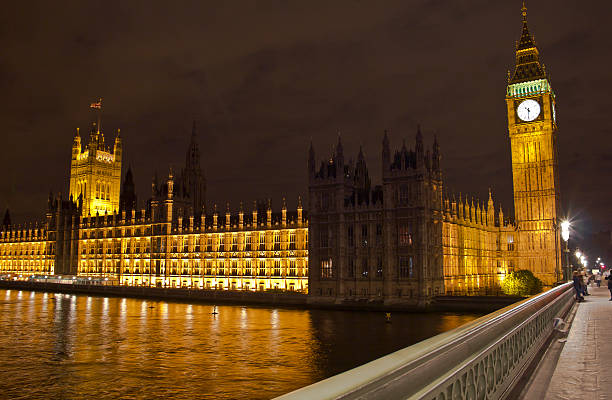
528, 110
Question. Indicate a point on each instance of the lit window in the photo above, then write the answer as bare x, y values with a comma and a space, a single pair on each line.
405, 235
326, 269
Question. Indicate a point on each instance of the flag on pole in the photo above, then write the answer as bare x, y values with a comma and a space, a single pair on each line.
97, 104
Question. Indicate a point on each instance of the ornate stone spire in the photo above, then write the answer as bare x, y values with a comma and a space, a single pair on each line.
420, 153
311, 159
527, 56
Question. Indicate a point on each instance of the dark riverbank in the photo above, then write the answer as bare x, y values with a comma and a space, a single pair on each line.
479, 304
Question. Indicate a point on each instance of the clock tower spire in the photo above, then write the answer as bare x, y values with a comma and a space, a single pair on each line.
532, 128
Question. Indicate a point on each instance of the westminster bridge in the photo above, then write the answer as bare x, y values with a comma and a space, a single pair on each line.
492, 357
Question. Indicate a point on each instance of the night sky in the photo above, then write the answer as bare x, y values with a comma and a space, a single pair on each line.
264, 78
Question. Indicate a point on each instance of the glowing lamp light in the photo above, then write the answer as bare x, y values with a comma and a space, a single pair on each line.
565, 225
578, 254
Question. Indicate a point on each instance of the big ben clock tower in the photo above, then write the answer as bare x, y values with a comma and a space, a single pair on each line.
532, 127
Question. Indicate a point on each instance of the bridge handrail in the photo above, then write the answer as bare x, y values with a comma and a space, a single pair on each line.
481, 359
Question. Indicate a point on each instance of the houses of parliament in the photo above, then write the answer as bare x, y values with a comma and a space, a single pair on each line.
404, 240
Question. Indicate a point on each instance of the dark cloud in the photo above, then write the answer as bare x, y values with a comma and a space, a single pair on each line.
264, 78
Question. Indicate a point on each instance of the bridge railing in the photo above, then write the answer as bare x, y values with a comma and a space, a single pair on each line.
480, 360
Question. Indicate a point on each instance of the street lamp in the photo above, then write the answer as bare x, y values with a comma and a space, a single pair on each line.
565, 233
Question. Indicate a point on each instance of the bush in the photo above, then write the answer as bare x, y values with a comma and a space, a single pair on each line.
521, 283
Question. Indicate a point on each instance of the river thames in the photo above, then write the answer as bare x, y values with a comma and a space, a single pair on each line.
76, 347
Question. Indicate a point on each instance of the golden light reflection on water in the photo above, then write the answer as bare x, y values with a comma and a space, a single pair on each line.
74, 347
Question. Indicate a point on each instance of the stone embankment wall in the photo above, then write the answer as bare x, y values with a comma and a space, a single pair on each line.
478, 304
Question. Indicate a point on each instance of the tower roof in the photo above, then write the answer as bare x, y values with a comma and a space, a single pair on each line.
193, 151
526, 41
528, 65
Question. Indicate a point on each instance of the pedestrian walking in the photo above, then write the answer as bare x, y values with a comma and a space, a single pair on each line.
585, 283
598, 280
609, 278
578, 285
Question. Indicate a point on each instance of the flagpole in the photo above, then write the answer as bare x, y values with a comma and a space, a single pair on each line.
98, 106
99, 114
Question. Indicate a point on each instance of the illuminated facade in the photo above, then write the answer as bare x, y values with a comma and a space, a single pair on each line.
532, 127
235, 252
478, 248
95, 173
259, 251
403, 241
26, 251
171, 242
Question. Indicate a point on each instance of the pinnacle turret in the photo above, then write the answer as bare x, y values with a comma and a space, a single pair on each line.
311, 159
420, 152
386, 154
436, 157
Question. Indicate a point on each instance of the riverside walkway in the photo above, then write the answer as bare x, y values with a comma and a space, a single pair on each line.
579, 367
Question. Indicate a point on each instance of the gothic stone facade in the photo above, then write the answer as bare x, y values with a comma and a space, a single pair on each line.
378, 243
171, 242
162, 248
95, 173
403, 241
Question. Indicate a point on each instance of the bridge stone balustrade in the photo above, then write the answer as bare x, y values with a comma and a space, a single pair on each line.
480, 360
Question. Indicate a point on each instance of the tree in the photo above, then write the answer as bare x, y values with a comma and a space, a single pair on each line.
521, 283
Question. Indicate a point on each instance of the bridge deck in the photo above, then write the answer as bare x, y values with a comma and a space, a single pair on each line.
584, 367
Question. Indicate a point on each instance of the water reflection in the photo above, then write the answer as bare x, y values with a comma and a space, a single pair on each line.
73, 347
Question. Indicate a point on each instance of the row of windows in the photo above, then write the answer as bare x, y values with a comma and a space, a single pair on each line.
221, 264
109, 233
405, 236
187, 245
22, 236
405, 268
228, 238
8, 251
273, 269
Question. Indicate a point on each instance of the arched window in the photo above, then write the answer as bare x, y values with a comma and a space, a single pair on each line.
97, 189
108, 191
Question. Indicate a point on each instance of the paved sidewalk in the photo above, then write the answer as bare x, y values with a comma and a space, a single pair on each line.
584, 369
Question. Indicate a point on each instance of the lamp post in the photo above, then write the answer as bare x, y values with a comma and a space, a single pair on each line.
578, 255
565, 233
